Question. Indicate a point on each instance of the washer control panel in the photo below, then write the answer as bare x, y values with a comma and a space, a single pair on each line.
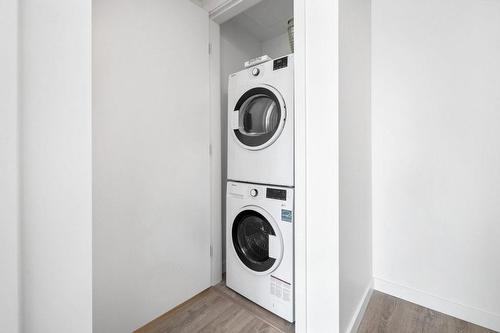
259, 192
275, 193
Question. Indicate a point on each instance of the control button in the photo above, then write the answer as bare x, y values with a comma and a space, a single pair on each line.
254, 192
255, 71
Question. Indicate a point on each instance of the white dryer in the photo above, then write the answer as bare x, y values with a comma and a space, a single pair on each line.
260, 123
259, 245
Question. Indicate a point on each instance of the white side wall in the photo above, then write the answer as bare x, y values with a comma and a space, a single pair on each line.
151, 131
56, 166
9, 221
355, 161
277, 46
436, 154
236, 47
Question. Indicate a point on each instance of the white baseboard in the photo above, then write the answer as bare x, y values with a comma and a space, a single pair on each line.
360, 310
436, 303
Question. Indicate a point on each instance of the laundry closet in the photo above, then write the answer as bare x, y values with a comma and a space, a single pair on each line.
257, 113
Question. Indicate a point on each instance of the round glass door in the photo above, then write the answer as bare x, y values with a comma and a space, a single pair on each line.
260, 118
250, 235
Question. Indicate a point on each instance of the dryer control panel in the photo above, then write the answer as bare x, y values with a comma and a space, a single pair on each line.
280, 63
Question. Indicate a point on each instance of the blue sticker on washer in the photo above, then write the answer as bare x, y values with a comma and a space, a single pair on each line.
286, 215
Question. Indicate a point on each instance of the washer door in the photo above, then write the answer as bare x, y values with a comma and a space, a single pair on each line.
258, 117
257, 240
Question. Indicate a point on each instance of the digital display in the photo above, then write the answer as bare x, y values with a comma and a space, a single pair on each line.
274, 193
280, 63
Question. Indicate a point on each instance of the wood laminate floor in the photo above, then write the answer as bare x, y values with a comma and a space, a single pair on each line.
388, 314
219, 309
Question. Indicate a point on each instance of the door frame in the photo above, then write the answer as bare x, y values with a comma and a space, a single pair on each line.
316, 166
215, 154
300, 167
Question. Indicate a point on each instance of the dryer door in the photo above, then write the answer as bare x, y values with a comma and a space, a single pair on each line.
257, 240
258, 117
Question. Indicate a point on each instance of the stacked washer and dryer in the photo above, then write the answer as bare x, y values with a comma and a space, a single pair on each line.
260, 193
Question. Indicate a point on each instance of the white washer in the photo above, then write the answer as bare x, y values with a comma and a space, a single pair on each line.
259, 245
260, 123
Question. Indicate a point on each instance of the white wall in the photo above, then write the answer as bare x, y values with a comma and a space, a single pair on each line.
151, 131
9, 221
436, 160
55, 103
354, 161
277, 46
236, 47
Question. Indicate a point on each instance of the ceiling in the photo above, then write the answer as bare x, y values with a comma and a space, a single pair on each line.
267, 19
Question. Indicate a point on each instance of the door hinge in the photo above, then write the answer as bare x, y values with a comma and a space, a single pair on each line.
210, 149
209, 48
211, 251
